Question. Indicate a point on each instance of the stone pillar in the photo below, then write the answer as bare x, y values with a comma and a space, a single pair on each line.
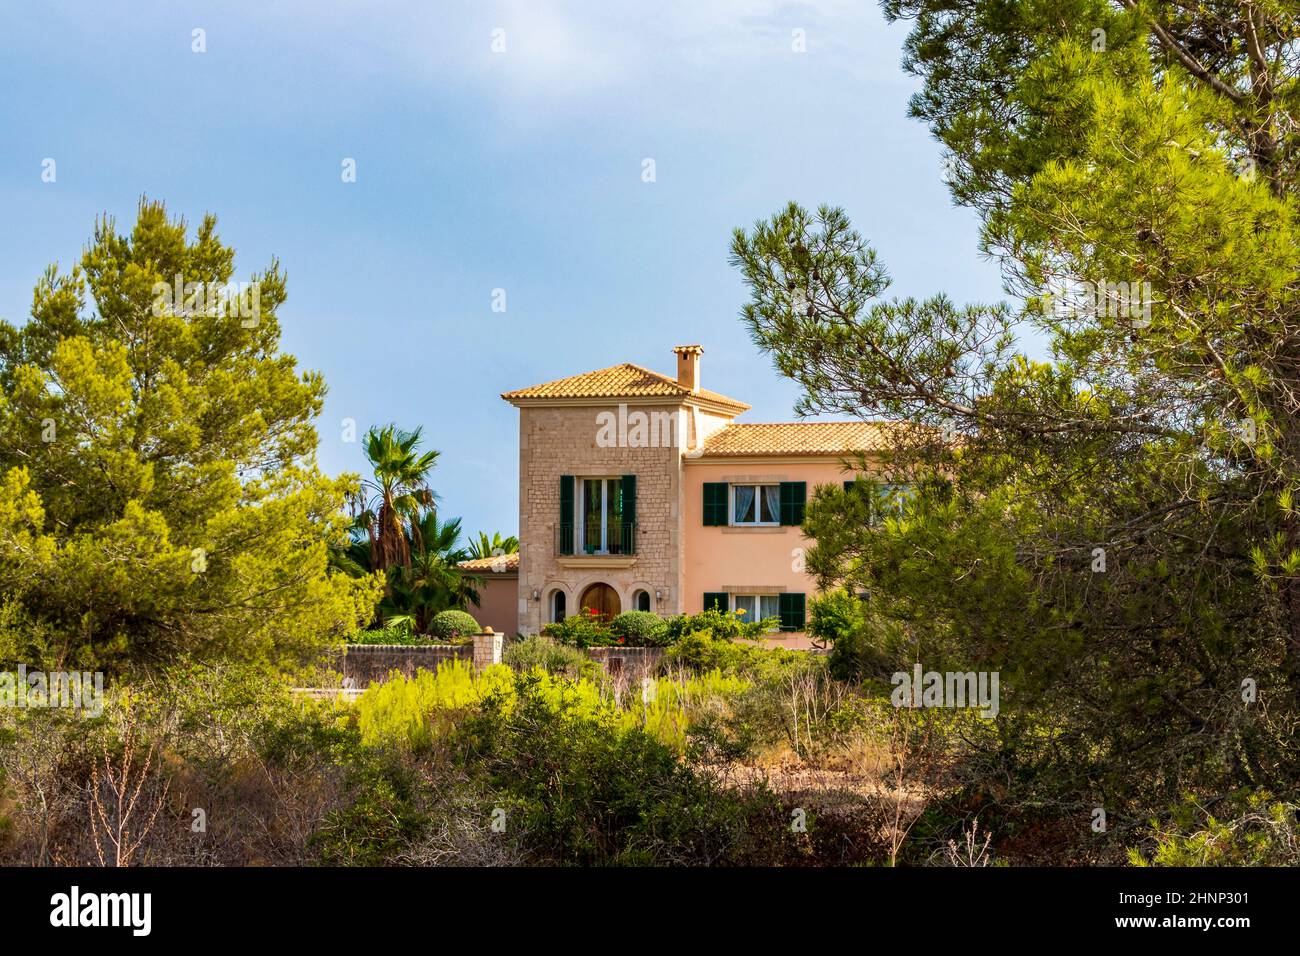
487, 649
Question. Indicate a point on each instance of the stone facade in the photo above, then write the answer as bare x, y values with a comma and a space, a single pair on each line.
556, 440
691, 440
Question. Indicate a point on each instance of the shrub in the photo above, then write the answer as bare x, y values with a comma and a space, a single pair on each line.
269, 768
537, 653
1248, 830
448, 624
588, 792
705, 651
396, 634
640, 628
380, 822
668, 708
841, 618
411, 712
721, 624
587, 628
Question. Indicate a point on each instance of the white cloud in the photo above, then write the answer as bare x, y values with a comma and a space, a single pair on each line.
574, 49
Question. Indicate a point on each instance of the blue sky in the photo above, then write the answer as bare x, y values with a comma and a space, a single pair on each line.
519, 170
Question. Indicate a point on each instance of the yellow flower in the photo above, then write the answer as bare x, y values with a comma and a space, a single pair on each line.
740, 610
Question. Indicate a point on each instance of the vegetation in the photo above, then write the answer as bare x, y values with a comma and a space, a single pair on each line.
449, 624
451, 767
1113, 529
1251, 830
395, 632
587, 628
539, 653
159, 493
396, 533
388, 506
721, 624
640, 628
495, 546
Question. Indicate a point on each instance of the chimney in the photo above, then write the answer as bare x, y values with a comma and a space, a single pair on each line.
688, 366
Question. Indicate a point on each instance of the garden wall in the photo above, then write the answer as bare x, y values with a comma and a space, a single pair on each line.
366, 664
630, 662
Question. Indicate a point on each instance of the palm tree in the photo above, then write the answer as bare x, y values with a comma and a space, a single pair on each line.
434, 580
486, 547
388, 506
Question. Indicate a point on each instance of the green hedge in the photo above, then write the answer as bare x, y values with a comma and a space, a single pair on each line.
448, 624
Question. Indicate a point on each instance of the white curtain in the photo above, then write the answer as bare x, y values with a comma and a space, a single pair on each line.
772, 498
744, 502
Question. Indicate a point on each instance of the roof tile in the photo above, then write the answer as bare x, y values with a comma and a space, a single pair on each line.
498, 564
799, 438
618, 381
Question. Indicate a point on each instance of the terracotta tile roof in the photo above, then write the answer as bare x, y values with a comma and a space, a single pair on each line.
798, 438
501, 564
619, 381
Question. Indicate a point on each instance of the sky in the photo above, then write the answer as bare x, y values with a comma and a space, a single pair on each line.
519, 168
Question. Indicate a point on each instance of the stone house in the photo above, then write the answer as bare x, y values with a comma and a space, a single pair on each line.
640, 491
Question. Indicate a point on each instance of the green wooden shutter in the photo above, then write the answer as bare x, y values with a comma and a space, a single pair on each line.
566, 514
793, 495
791, 611
718, 599
628, 537
715, 503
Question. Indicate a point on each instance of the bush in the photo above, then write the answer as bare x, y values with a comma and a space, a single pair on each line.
704, 651
395, 634
269, 768
841, 618
587, 792
721, 624
537, 653
448, 624
640, 628
1248, 830
412, 712
587, 628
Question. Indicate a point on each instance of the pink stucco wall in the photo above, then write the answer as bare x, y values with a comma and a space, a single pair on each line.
498, 605
762, 560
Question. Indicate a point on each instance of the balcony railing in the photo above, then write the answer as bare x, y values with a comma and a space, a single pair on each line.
617, 538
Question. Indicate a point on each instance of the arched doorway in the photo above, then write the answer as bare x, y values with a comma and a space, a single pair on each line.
602, 599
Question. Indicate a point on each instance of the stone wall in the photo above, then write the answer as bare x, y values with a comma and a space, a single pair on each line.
555, 441
630, 662
366, 664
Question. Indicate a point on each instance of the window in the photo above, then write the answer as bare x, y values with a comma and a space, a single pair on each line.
641, 600
757, 607
558, 602
602, 528
887, 498
755, 504
896, 496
